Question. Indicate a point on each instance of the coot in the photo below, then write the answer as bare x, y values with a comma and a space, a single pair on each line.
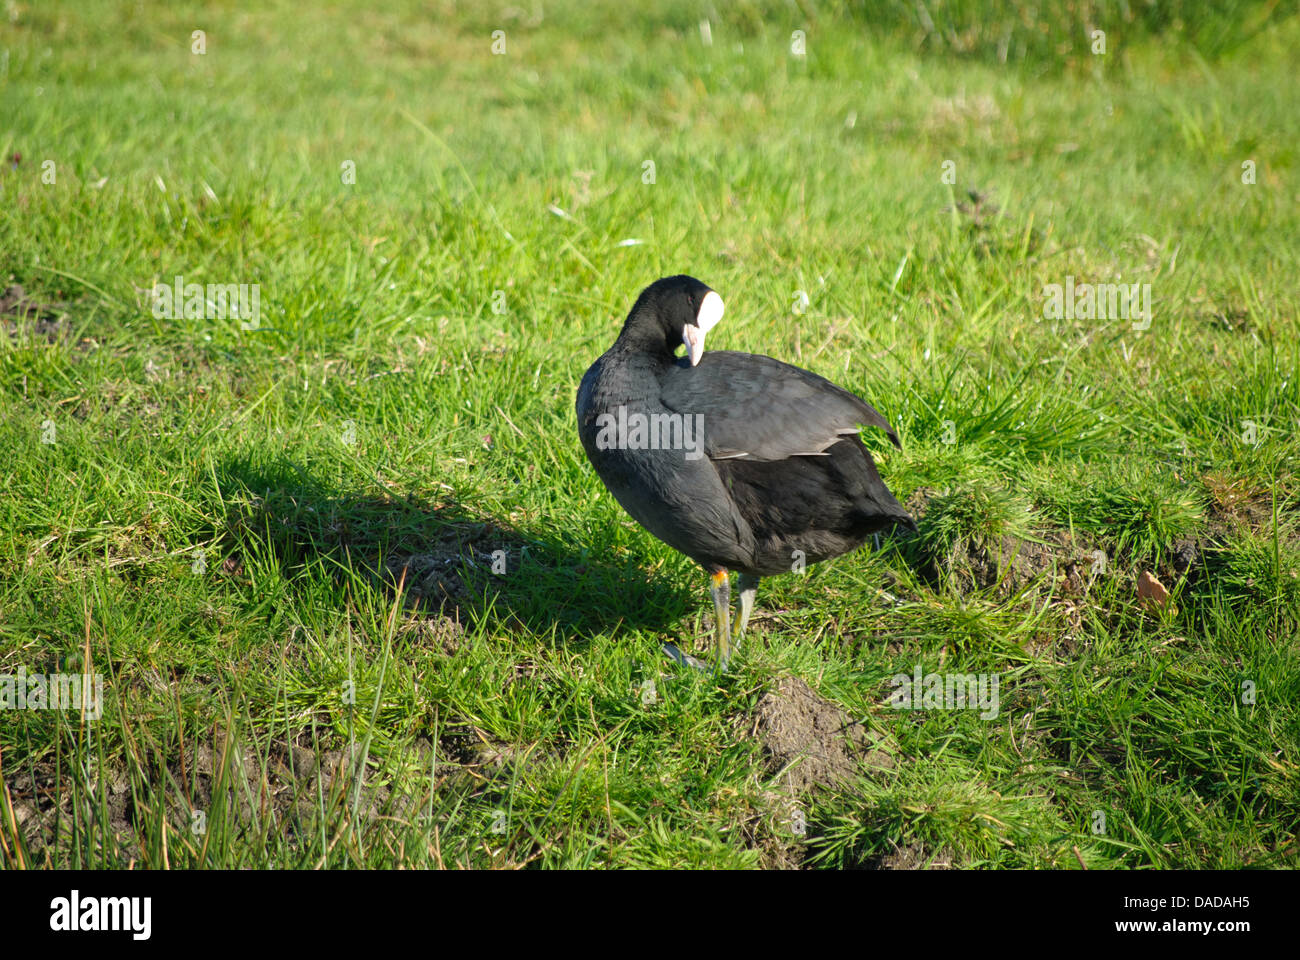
741, 462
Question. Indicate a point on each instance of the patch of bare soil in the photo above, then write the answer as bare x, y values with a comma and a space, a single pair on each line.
1235, 503
919, 501
1011, 563
811, 744
1069, 561
435, 578
1186, 554
1230, 320
446, 633
810, 741
46, 320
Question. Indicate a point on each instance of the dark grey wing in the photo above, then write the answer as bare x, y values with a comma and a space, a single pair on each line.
757, 408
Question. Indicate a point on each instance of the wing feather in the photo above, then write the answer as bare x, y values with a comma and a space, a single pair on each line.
758, 408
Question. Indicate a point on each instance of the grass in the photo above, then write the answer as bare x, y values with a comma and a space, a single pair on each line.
356, 595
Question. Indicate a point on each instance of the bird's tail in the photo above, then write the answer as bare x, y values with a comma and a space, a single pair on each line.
886, 515
902, 522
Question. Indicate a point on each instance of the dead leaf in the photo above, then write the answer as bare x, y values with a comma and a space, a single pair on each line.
1152, 591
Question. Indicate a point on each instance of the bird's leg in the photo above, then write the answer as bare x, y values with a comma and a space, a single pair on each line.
747, 586
720, 587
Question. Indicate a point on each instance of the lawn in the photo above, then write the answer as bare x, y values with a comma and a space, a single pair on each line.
356, 597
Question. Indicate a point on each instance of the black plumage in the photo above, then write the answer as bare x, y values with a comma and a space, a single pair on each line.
764, 470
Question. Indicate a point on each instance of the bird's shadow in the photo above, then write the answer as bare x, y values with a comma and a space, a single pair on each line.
449, 560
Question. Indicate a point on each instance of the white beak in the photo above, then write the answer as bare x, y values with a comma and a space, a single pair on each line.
710, 312
694, 340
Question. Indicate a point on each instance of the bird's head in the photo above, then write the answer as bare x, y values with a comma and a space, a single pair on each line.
674, 310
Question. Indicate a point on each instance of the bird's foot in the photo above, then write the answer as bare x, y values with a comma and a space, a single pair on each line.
685, 659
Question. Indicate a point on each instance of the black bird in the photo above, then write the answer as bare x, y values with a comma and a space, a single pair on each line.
741, 462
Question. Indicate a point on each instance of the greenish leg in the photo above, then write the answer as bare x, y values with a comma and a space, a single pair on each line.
720, 588
747, 586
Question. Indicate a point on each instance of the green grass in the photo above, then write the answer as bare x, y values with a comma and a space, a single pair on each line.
222, 516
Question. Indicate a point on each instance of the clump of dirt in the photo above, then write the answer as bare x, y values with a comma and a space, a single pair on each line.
1010, 563
430, 580
1230, 320
988, 228
435, 579
978, 207
1236, 502
918, 501
810, 741
812, 745
438, 630
776, 830
1185, 554
48, 320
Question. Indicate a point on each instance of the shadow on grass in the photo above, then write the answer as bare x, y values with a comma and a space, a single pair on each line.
454, 563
